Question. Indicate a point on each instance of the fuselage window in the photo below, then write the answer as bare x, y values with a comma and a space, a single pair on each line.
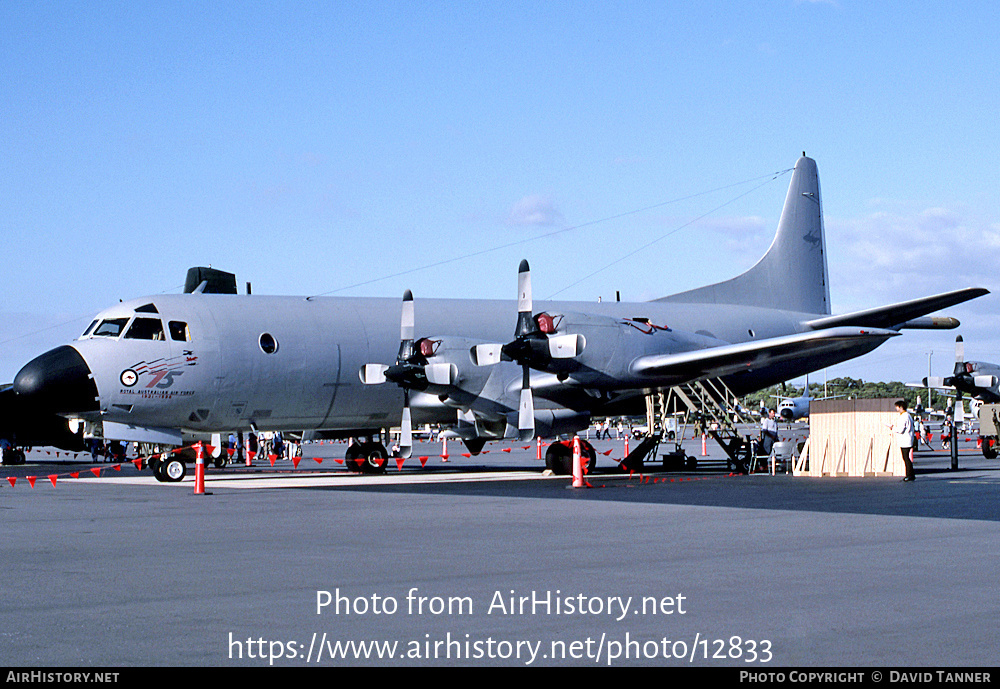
111, 327
268, 344
145, 329
179, 331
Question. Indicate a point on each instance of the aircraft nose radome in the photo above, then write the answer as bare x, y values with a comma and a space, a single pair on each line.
58, 381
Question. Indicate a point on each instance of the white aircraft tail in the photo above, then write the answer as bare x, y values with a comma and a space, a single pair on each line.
792, 275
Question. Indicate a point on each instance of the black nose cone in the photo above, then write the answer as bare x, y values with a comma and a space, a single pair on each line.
58, 381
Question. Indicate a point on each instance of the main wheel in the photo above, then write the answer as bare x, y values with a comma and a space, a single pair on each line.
156, 466
351, 457
589, 454
376, 458
989, 448
174, 470
559, 457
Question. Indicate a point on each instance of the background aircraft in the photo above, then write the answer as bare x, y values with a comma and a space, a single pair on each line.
171, 367
795, 408
978, 379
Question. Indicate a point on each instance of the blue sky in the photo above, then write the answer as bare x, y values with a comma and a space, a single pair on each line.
312, 147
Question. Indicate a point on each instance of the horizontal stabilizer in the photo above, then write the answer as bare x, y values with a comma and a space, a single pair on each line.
714, 362
897, 315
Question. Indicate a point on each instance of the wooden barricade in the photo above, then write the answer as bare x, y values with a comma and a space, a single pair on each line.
850, 438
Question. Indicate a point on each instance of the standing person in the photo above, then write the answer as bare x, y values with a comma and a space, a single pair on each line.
252, 444
96, 449
768, 432
902, 428
277, 445
946, 428
923, 435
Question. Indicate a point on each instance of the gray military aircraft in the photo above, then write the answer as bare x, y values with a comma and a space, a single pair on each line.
169, 368
978, 379
795, 408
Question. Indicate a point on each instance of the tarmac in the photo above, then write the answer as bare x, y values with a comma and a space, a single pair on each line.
482, 561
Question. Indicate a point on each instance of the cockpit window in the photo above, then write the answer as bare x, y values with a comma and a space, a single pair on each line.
110, 327
147, 308
179, 331
89, 328
145, 329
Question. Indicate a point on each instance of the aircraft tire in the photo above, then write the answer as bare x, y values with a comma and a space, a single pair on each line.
376, 458
174, 470
591, 455
156, 466
559, 458
351, 457
989, 448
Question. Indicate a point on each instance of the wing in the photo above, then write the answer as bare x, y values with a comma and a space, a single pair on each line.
905, 314
728, 359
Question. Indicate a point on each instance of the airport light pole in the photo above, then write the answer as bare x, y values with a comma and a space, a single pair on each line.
954, 431
930, 404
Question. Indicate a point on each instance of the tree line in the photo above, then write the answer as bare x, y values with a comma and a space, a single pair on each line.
855, 388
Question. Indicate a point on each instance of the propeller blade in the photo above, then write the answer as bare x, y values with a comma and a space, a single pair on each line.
985, 381
959, 355
526, 408
373, 374
406, 322
406, 428
566, 346
486, 354
525, 323
441, 374
526, 416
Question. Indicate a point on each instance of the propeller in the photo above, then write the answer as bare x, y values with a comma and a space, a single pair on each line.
535, 345
412, 370
966, 372
960, 373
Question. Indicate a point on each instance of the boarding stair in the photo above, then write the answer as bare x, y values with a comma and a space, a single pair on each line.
715, 410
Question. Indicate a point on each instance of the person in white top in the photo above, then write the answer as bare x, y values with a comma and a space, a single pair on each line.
768, 432
902, 427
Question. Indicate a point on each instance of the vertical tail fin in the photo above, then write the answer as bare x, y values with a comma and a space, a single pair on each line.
792, 275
